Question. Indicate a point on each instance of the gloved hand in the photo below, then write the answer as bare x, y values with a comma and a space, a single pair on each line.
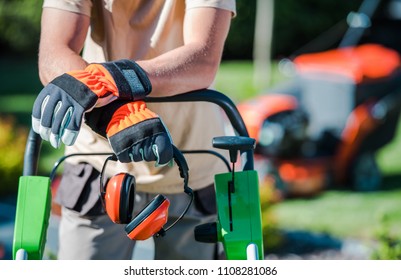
59, 108
134, 132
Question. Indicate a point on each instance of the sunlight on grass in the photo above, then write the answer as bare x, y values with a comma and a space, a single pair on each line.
343, 214
235, 79
17, 103
388, 157
241, 73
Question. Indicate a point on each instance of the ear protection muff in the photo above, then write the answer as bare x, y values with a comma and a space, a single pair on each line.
118, 196
150, 220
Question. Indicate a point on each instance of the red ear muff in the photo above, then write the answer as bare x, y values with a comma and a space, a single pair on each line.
150, 220
119, 198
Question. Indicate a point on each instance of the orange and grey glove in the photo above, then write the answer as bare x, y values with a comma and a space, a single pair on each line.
59, 108
134, 132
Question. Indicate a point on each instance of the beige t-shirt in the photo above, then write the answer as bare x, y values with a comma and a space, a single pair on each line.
142, 29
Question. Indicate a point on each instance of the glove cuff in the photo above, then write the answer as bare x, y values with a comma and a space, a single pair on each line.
80, 92
131, 80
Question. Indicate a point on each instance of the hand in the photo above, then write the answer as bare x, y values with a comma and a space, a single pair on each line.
134, 132
59, 108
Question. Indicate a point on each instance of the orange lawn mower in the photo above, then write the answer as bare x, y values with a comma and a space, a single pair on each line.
344, 106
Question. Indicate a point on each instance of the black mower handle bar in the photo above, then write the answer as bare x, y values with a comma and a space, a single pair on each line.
34, 141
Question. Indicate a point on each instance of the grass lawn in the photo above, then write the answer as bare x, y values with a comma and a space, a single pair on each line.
339, 213
343, 214
235, 79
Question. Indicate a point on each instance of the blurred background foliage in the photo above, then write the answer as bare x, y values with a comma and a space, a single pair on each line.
12, 146
19, 26
298, 26
296, 22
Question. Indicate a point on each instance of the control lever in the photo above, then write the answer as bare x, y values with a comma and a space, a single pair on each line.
208, 232
233, 144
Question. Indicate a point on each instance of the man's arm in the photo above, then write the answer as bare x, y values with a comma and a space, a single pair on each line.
193, 65
59, 108
189, 67
61, 41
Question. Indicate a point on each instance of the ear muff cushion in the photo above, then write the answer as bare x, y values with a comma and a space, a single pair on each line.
150, 220
127, 198
119, 198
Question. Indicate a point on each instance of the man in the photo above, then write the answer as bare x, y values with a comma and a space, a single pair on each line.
176, 47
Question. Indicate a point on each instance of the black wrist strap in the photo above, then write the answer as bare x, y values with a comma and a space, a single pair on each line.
131, 80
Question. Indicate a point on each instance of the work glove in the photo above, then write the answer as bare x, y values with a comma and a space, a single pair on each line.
134, 132
59, 108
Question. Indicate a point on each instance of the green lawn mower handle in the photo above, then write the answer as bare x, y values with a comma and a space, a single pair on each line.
33, 206
238, 225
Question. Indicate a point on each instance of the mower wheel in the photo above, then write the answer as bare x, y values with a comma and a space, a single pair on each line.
366, 175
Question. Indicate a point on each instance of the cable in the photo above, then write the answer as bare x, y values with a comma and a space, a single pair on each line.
209, 152
56, 165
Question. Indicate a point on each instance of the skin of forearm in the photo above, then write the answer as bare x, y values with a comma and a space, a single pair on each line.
193, 68
166, 79
53, 63
61, 41
194, 65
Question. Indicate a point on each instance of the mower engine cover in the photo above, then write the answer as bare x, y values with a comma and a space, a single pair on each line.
282, 134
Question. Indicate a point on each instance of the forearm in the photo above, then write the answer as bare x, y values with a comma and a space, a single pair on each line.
53, 63
61, 41
191, 69
194, 65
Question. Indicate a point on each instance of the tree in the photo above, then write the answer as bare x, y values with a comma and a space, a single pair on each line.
19, 26
262, 42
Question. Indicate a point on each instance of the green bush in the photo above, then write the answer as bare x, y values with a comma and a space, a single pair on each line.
20, 25
12, 146
298, 24
388, 243
389, 247
295, 23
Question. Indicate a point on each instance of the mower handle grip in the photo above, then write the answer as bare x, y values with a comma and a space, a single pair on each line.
220, 99
31, 155
33, 145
